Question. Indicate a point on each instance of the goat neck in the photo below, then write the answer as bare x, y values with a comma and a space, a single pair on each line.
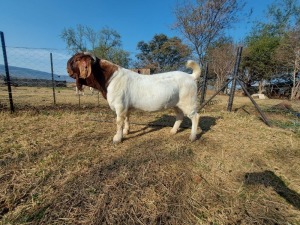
102, 71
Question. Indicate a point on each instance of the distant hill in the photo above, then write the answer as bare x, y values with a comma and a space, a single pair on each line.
19, 72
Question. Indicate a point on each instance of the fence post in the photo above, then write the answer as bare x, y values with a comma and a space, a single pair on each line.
53, 81
235, 75
79, 99
12, 109
204, 85
265, 119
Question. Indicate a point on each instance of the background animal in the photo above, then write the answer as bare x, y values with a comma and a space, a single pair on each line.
81, 92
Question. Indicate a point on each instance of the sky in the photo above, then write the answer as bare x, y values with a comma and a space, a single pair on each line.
39, 23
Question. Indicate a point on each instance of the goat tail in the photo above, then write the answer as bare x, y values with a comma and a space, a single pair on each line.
195, 67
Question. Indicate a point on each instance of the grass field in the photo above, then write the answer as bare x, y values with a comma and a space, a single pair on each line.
58, 164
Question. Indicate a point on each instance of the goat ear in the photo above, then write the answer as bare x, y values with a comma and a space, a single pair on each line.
85, 67
72, 65
69, 67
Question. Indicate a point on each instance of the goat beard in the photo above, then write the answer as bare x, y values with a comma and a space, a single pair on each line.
79, 83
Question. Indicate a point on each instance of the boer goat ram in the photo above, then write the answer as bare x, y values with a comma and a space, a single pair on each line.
125, 90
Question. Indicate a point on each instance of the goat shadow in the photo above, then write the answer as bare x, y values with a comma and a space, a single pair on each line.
206, 122
269, 179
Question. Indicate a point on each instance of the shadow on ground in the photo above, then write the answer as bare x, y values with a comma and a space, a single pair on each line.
270, 179
205, 124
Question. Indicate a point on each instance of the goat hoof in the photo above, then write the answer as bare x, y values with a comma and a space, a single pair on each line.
125, 132
117, 140
173, 131
193, 138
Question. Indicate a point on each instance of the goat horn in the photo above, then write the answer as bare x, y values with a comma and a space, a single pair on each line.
90, 54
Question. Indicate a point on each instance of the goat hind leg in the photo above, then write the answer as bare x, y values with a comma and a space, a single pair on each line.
195, 122
179, 119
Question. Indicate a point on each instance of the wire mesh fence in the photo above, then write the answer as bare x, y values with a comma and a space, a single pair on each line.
38, 77
34, 82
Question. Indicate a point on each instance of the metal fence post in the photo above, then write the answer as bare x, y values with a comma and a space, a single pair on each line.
235, 75
265, 119
12, 109
53, 81
79, 99
204, 85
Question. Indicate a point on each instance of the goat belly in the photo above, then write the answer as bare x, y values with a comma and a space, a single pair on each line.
155, 100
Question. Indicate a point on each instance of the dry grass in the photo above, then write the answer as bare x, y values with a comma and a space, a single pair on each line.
58, 166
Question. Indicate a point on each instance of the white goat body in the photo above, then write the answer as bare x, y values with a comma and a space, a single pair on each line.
126, 90
152, 93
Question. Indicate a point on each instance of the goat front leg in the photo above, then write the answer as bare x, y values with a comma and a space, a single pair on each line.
119, 135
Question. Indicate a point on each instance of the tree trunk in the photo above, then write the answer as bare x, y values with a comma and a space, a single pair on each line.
260, 87
295, 92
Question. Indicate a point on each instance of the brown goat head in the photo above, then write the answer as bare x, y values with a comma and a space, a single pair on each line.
80, 65
72, 67
85, 66
91, 71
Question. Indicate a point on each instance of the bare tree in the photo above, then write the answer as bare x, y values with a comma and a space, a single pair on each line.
74, 38
221, 61
205, 21
92, 36
84, 38
296, 82
105, 43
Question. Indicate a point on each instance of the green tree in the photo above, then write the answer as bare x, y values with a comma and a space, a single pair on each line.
273, 44
285, 21
287, 55
258, 59
162, 54
110, 47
